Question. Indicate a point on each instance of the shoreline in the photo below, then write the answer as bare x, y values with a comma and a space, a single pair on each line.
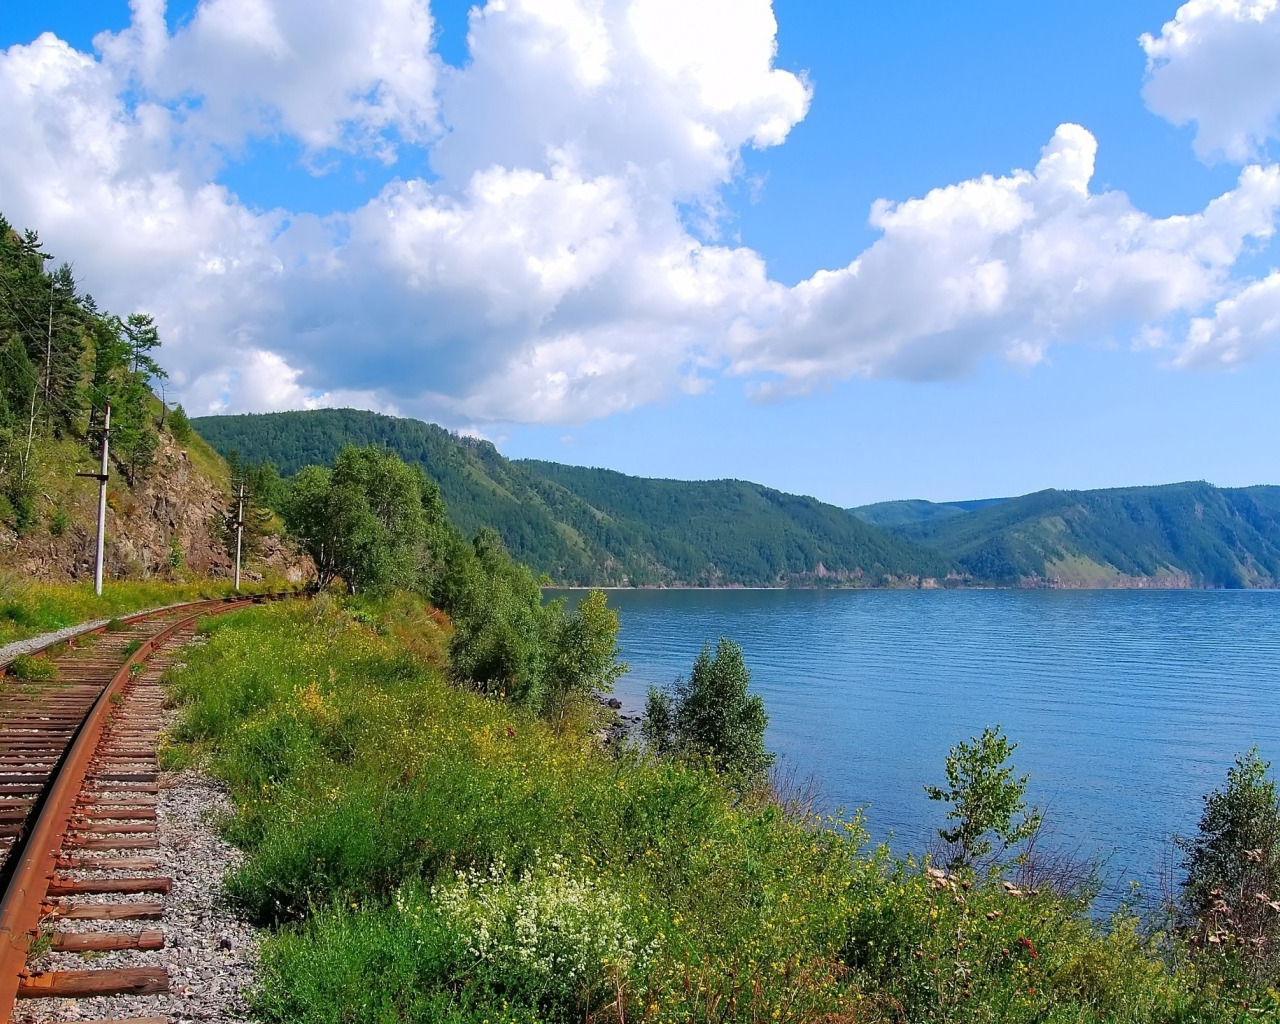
983, 588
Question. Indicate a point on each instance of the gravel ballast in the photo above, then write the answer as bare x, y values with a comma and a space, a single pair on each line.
210, 951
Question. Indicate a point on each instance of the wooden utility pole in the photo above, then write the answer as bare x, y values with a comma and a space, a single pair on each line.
239, 533
101, 477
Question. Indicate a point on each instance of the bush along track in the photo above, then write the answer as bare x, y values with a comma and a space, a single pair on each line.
421, 852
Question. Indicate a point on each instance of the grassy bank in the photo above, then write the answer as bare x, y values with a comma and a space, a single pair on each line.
29, 608
421, 853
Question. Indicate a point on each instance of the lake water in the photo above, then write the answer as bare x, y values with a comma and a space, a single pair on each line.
1128, 706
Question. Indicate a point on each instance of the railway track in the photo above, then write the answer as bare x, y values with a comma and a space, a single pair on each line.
78, 785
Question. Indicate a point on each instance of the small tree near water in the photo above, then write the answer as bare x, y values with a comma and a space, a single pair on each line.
582, 652
986, 797
1231, 892
711, 715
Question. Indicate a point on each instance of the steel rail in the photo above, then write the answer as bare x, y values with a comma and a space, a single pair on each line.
23, 903
73, 633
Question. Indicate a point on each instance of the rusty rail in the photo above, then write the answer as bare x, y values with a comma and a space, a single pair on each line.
34, 860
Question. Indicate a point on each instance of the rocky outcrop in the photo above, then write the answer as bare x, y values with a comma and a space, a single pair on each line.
172, 522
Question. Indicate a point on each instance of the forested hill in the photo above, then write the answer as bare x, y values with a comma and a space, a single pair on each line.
890, 514
1187, 534
583, 526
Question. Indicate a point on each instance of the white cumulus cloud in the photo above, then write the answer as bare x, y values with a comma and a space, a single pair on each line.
547, 270
1240, 327
330, 73
1009, 264
665, 91
1217, 64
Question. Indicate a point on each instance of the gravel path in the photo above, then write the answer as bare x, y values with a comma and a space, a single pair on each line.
36, 643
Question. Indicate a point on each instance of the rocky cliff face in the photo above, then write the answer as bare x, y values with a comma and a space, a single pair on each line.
169, 524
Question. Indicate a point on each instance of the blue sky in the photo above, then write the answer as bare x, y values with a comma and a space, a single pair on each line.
587, 362
906, 98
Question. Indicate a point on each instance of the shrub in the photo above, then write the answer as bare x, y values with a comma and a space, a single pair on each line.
18, 614
712, 716
19, 508
986, 798
58, 522
1229, 895
497, 611
29, 667
540, 657
582, 652
546, 939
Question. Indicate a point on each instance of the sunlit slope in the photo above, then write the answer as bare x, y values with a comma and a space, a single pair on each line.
1187, 534
593, 526
729, 531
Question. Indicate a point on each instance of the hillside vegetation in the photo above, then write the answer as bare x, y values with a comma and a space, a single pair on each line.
913, 510
1187, 534
62, 360
593, 526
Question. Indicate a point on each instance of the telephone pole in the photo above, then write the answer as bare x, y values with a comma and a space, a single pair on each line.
239, 534
101, 477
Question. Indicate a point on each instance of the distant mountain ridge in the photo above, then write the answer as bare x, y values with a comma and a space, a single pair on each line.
596, 526
1187, 534
890, 514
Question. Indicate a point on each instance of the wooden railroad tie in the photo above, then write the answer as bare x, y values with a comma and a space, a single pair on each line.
82, 942
109, 863
115, 813
70, 887
113, 828
138, 981
123, 843
130, 1020
110, 912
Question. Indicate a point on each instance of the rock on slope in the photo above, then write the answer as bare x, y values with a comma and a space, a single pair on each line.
173, 519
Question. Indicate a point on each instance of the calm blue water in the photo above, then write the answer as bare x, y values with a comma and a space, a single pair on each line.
1128, 705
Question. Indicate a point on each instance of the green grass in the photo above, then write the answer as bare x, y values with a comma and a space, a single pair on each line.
423, 854
30, 608
26, 667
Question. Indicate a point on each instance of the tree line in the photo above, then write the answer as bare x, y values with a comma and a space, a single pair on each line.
624, 529
377, 525
62, 360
